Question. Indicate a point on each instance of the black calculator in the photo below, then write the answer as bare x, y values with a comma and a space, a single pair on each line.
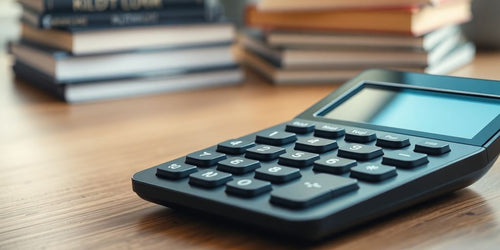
383, 141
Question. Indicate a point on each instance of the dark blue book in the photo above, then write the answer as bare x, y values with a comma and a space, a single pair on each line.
84, 41
114, 18
128, 87
65, 67
80, 6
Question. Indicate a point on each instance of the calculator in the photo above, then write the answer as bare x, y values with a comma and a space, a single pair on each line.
383, 141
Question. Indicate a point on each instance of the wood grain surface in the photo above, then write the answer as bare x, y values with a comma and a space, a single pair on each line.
65, 172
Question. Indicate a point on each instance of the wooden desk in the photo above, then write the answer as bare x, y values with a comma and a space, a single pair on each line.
66, 169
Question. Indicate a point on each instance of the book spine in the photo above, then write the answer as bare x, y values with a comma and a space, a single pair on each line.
113, 19
39, 80
86, 6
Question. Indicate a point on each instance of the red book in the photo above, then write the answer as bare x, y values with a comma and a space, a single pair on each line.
414, 20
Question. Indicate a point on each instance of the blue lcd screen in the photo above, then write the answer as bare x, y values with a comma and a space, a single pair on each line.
434, 112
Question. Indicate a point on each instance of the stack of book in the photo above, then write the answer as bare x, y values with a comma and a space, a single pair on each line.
330, 41
84, 50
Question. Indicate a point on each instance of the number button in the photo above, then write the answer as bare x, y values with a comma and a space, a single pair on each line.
297, 159
360, 152
312, 190
264, 152
275, 137
235, 147
334, 165
277, 174
274, 169
373, 172
209, 178
316, 145
238, 165
204, 158
248, 187
175, 170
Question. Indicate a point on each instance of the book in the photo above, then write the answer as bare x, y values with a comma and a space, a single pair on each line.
80, 41
308, 39
287, 5
105, 5
414, 20
139, 86
347, 57
456, 58
64, 67
114, 18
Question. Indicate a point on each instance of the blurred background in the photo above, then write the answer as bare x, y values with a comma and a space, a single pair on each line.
483, 30
10, 11
247, 29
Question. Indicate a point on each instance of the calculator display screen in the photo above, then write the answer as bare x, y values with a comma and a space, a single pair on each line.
419, 110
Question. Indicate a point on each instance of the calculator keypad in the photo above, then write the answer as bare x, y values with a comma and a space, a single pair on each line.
297, 168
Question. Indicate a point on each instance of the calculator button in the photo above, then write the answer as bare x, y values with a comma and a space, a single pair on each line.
248, 187
275, 137
404, 159
175, 170
313, 190
316, 145
238, 165
334, 165
432, 147
277, 174
209, 178
360, 152
392, 141
373, 172
297, 159
204, 158
360, 135
235, 147
264, 152
300, 127
329, 131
